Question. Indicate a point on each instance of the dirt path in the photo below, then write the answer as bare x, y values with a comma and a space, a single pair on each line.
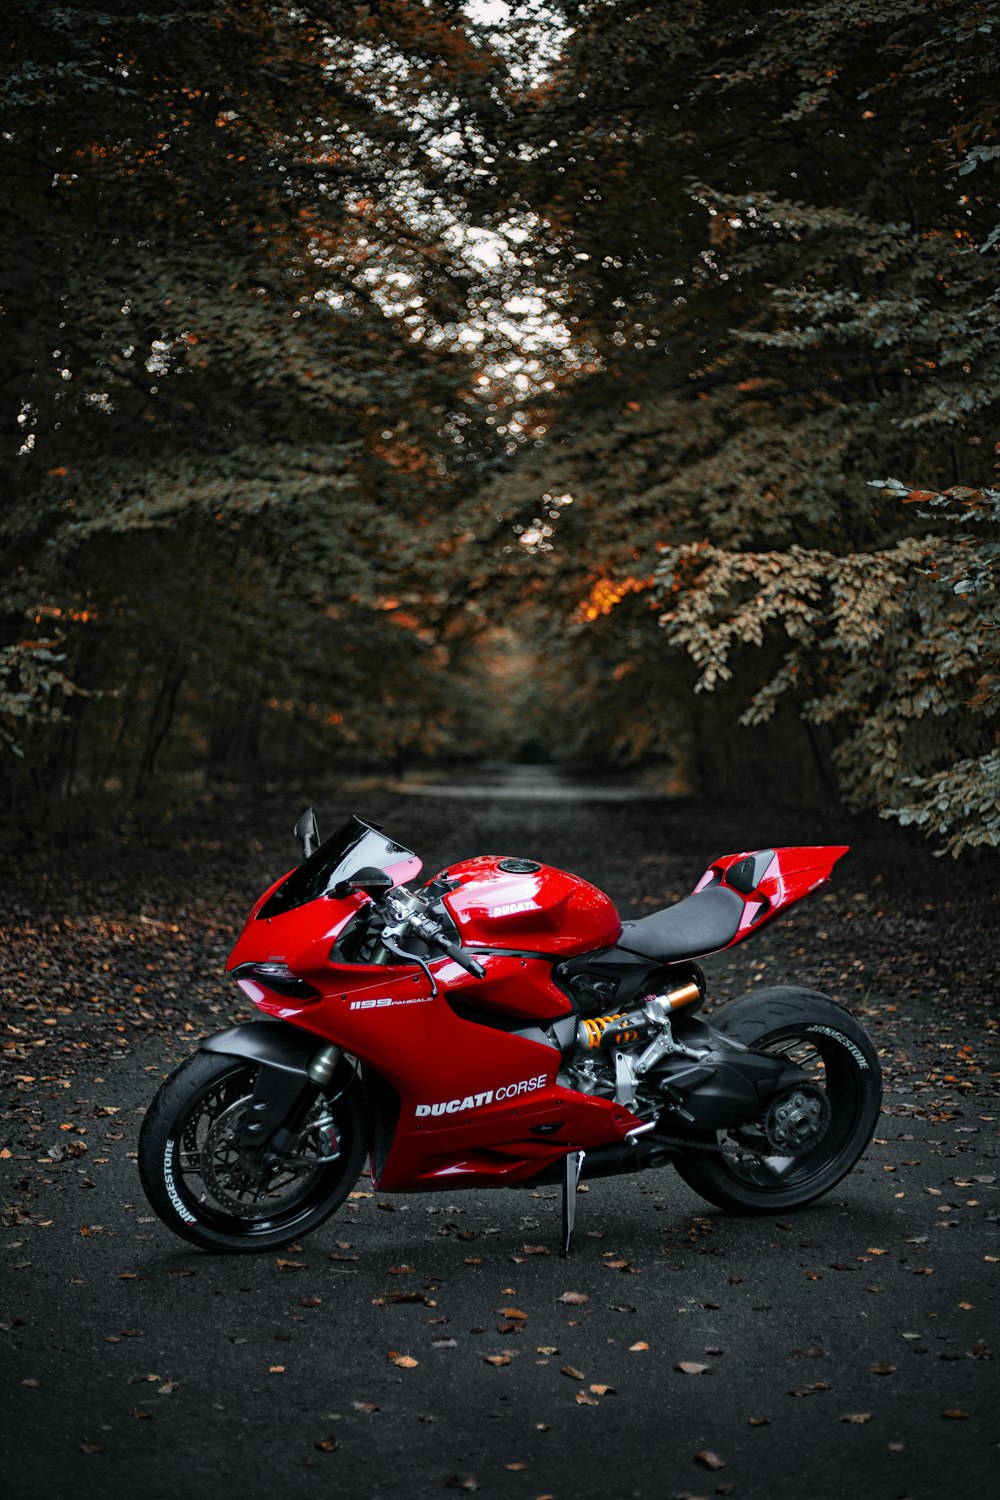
835, 1348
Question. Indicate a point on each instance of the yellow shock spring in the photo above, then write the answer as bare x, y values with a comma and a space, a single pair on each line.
595, 1029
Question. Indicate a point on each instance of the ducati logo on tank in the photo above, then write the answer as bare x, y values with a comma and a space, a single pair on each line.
476, 1101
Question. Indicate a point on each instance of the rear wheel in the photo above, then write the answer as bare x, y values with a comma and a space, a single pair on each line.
202, 1188
790, 1158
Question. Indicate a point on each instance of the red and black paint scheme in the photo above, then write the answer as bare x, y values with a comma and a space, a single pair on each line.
499, 1025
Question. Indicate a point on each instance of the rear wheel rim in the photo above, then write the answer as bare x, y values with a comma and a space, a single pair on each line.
830, 1067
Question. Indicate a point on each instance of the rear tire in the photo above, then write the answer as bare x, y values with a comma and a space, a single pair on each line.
826, 1042
189, 1159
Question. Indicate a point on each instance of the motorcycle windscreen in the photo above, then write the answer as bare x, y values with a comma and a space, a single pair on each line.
353, 847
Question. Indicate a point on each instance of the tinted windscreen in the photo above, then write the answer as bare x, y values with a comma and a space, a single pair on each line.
347, 851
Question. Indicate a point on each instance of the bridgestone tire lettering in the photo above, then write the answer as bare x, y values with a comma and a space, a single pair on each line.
171, 1186
844, 1041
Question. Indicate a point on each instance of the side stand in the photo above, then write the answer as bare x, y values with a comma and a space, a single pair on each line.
572, 1165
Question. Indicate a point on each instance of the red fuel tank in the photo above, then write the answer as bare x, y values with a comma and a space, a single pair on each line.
503, 902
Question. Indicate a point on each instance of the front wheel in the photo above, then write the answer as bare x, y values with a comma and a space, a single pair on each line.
836, 1114
195, 1179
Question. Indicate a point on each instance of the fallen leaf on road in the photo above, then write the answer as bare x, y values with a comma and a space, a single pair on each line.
496, 1359
638, 1348
582, 1399
856, 1416
139, 1413
709, 1459
603, 1390
365, 1406
573, 1299
90, 1445
954, 1412
759, 1421
290, 1265
572, 1372
326, 1445
404, 1361
882, 1369
689, 1367
535, 1249
547, 1349
311, 1302
453, 1482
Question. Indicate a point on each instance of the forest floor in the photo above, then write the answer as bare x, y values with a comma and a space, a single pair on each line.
843, 1349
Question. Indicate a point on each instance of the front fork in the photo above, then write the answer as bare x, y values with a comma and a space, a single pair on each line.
293, 1069
281, 1096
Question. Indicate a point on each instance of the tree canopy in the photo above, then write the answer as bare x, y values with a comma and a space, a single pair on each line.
777, 231
370, 367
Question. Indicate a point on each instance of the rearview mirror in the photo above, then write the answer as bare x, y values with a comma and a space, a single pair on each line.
306, 831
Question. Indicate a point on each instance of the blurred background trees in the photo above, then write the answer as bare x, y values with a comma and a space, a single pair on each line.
595, 380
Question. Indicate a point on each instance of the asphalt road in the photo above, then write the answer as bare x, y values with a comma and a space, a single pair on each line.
848, 1349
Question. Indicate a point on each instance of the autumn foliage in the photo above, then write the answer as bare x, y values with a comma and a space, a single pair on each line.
645, 359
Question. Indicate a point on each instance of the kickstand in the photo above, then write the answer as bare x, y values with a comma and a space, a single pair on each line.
572, 1165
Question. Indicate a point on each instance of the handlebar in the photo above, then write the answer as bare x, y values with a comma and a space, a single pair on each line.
463, 959
432, 933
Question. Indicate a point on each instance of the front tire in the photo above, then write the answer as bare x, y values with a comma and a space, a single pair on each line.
189, 1160
748, 1175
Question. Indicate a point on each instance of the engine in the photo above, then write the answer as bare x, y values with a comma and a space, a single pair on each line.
627, 1056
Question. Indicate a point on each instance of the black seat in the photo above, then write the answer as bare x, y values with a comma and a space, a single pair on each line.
699, 924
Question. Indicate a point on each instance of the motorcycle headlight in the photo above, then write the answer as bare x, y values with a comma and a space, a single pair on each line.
256, 979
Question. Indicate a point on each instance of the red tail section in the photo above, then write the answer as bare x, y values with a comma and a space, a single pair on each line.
770, 880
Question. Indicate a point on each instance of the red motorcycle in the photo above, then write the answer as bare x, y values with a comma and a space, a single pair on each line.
501, 1026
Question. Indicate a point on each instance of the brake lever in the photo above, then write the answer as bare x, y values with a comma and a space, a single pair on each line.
393, 947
